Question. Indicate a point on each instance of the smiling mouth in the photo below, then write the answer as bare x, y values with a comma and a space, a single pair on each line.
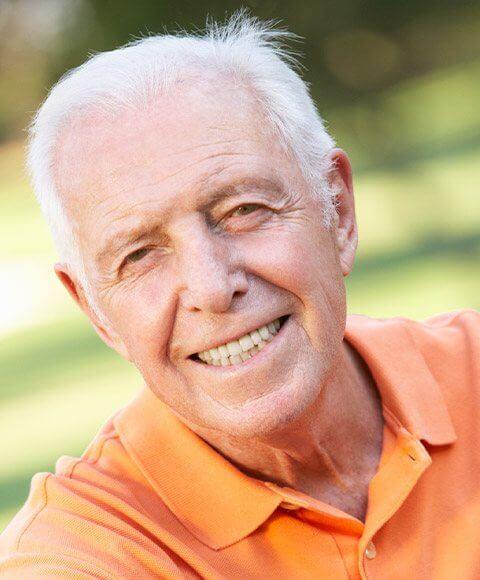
241, 350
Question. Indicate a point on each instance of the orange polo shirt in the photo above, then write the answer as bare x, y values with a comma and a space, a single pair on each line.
150, 499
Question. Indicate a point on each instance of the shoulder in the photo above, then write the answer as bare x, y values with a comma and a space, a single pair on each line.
438, 338
464, 319
451, 336
84, 521
444, 347
449, 343
40, 540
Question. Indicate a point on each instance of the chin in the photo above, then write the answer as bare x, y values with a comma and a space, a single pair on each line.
268, 399
264, 415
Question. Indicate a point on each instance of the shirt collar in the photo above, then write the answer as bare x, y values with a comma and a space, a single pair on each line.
219, 504
407, 387
213, 499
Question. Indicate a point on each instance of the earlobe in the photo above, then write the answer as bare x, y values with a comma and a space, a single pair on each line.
344, 250
341, 238
75, 289
109, 337
64, 274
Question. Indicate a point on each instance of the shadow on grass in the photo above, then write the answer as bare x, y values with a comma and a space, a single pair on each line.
29, 358
416, 154
459, 246
14, 491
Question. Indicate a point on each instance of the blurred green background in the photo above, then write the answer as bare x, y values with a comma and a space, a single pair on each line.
398, 82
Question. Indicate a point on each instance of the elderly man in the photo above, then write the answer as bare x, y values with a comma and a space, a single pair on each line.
205, 222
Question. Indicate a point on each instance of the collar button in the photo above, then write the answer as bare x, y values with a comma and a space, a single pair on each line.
370, 550
289, 506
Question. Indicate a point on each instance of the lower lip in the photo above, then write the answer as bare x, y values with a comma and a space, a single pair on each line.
258, 358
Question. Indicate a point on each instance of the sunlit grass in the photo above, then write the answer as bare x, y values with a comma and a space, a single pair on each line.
418, 288
400, 209
57, 418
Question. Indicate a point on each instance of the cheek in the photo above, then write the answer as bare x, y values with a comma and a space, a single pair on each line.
143, 315
306, 266
302, 262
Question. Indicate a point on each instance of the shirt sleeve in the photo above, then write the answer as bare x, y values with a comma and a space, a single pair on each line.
46, 566
65, 531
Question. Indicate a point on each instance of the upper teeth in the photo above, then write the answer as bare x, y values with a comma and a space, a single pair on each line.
240, 350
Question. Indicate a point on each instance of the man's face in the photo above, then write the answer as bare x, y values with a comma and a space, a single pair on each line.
196, 230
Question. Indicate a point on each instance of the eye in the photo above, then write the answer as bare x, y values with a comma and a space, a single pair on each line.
137, 255
245, 209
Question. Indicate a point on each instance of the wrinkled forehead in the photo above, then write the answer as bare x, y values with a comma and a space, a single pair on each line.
95, 152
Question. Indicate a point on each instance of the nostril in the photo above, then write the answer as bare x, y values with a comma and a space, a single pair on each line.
238, 293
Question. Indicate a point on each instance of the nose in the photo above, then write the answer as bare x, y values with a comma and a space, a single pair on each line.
209, 277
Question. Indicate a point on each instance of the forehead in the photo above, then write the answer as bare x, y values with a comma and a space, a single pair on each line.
134, 173
98, 158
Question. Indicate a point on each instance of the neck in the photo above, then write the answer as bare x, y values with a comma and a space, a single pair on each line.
331, 452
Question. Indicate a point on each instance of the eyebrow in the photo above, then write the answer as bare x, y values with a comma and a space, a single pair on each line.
145, 229
246, 185
128, 237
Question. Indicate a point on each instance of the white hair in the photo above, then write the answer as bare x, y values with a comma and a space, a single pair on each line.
251, 50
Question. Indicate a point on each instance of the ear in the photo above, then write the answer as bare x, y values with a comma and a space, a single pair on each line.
345, 224
76, 291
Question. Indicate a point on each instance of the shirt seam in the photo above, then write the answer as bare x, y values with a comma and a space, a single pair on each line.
393, 418
340, 554
68, 475
35, 515
93, 461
